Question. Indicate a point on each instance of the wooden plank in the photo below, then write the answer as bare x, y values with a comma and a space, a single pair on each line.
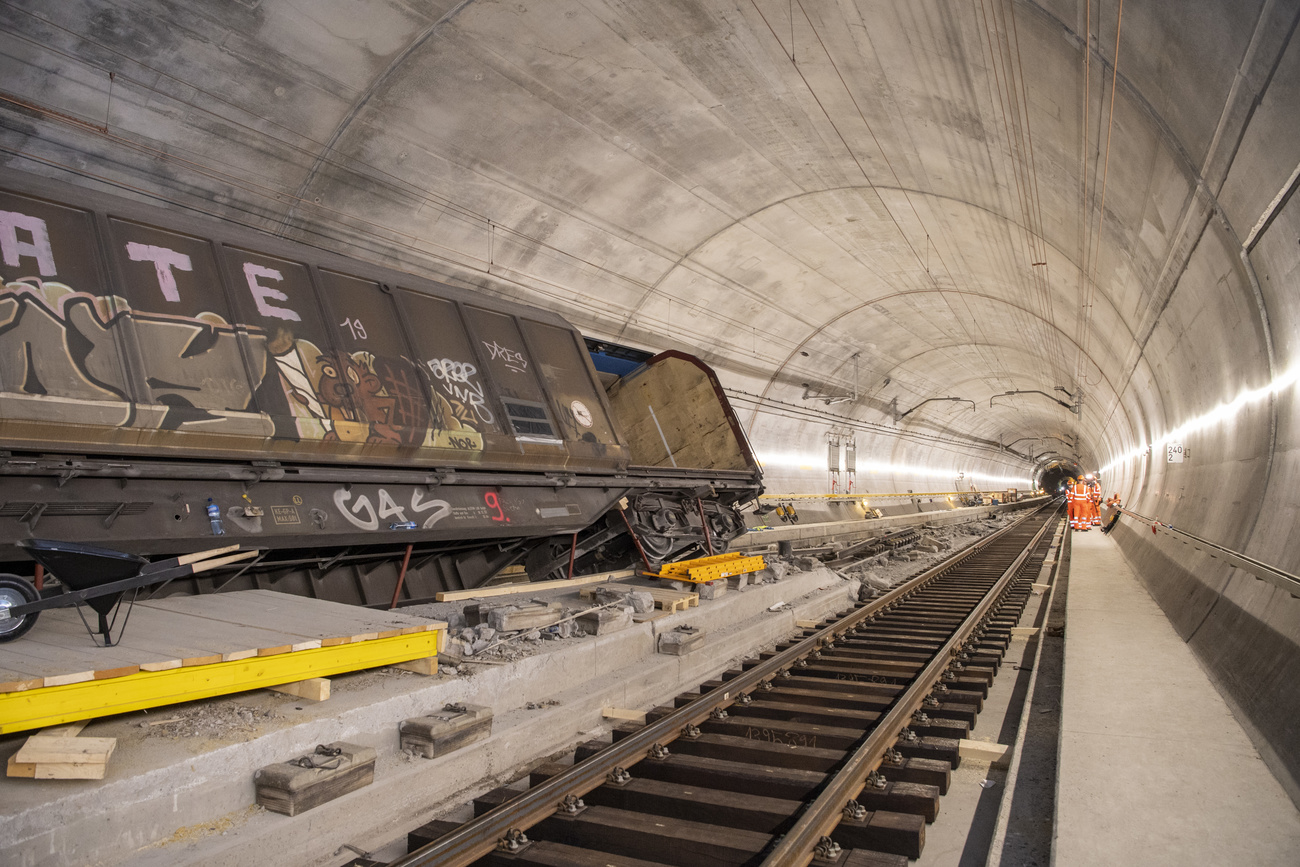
981, 751
636, 716
1023, 632
290, 615
427, 666
69, 771
166, 634
186, 559
311, 689
532, 587
62, 629
14, 676
43, 749
807, 624
16, 768
71, 730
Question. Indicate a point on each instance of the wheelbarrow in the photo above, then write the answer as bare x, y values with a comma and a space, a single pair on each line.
98, 577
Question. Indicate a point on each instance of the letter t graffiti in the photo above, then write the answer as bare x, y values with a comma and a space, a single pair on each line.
164, 261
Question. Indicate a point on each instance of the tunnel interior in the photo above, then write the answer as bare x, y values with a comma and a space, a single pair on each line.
948, 242
1054, 477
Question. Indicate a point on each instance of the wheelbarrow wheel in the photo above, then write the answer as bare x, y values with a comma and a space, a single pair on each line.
14, 591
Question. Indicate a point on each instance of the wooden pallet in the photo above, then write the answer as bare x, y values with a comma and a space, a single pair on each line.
668, 600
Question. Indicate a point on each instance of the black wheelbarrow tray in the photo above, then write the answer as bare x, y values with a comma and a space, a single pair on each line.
98, 577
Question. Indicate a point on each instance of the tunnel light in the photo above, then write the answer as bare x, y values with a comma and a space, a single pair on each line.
1220, 413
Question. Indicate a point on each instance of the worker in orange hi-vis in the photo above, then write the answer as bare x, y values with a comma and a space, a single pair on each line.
1093, 513
1079, 491
1071, 504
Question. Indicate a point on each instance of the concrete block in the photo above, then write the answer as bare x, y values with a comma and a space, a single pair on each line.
712, 589
736, 582
681, 641
600, 621
296, 786
642, 603
514, 618
447, 731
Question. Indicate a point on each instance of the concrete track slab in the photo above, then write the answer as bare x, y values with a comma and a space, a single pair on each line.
1154, 768
188, 800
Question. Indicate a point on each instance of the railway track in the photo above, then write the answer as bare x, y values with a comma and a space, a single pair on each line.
833, 748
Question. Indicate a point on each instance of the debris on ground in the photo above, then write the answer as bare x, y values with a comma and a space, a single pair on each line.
538, 705
210, 721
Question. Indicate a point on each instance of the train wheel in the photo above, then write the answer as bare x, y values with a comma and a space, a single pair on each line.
15, 591
725, 525
656, 547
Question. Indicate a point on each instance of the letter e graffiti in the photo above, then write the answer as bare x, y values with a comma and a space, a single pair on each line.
164, 261
367, 521
262, 293
38, 248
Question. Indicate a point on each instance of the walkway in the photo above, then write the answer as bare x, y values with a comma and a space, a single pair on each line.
1153, 769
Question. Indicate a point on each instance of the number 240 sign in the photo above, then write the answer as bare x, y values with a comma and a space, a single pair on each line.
1174, 453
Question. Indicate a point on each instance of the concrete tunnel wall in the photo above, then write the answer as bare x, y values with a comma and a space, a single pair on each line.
659, 174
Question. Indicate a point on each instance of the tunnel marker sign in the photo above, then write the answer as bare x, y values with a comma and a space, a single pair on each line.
1174, 453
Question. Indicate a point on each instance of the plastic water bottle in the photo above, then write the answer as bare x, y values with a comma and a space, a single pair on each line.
214, 518
402, 525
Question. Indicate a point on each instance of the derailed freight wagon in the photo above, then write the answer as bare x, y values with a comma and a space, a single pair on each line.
165, 379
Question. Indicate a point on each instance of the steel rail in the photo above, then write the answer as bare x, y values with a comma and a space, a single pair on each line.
1279, 578
479, 837
821, 817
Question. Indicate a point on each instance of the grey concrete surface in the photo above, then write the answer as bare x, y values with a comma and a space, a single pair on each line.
973, 198
190, 800
1154, 769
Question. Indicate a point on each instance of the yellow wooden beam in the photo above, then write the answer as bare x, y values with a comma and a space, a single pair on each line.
53, 705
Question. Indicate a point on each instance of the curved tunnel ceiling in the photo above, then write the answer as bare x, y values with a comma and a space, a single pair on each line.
956, 198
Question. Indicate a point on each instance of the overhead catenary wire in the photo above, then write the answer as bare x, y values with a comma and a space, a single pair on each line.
992, 364
1090, 284
796, 412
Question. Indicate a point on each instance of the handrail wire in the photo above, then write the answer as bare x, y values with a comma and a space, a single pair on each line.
1272, 574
